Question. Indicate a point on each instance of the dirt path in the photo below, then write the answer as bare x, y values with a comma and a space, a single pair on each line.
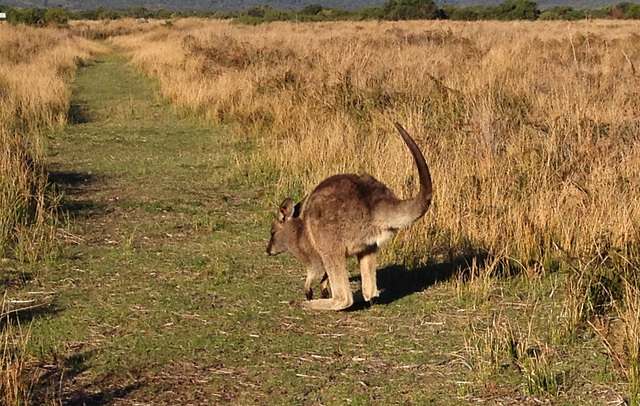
161, 232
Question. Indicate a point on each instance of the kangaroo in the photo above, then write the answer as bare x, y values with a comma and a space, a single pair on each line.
346, 215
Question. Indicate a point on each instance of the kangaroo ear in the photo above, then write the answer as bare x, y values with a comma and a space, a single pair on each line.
286, 210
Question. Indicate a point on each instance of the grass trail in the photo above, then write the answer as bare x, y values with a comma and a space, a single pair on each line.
164, 294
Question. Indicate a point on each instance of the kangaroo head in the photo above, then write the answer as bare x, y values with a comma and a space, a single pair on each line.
281, 230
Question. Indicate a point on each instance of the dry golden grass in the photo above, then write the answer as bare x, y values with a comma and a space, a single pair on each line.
34, 74
15, 387
530, 129
34, 94
101, 29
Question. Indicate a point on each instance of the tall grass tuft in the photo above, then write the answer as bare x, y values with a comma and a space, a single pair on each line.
505, 345
15, 384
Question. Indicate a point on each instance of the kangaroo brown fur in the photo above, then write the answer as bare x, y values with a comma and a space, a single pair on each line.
346, 215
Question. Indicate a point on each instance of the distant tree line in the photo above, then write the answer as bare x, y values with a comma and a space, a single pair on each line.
391, 10
528, 10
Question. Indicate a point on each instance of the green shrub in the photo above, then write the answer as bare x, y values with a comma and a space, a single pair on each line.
57, 16
563, 13
410, 10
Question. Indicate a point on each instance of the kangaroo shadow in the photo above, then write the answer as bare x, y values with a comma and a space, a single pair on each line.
398, 281
13, 278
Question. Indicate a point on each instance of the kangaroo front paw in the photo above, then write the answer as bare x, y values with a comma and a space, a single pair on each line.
309, 294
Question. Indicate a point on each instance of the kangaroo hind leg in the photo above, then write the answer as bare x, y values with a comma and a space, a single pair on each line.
338, 277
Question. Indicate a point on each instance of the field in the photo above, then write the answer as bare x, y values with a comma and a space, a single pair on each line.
180, 139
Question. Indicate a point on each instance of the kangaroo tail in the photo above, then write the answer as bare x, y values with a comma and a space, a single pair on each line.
423, 199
